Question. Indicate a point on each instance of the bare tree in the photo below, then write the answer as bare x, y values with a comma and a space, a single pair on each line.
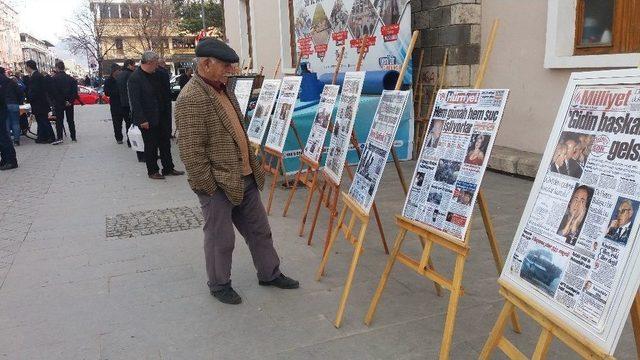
87, 34
153, 26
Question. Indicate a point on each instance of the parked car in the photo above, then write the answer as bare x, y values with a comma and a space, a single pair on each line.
89, 96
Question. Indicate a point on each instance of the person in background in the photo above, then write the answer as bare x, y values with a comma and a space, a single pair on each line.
148, 98
38, 97
8, 158
122, 79
87, 81
14, 98
184, 77
64, 91
115, 106
165, 106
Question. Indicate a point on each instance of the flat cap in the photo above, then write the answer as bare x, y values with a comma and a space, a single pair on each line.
212, 47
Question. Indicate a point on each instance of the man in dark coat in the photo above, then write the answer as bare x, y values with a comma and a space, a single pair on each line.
38, 96
165, 106
115, 106
184, 77
122, 79
64, 91
147, 98
7, 151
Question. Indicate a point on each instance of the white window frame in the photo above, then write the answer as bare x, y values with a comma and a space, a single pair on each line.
560, 40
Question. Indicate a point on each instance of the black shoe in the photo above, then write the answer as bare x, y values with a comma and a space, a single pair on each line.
156, 176
16, 143
8, 166
281, 282
173, 172
227, 295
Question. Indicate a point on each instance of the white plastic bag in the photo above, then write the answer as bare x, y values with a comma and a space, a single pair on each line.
135, 138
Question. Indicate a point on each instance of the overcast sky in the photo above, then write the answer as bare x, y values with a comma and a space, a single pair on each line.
46, 20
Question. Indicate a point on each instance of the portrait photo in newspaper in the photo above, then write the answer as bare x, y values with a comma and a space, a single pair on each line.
575, 249
453, 158
283, 113
260, 118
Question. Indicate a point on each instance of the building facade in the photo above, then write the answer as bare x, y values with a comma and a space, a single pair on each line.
537, 47
130, 28
10, 49
38, 51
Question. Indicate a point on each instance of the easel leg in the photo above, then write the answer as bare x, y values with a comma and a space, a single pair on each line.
635, 321
385, 276
333, 211
452, 309
292, 192
334, 235
317, 212
379, 222
352, 270
426, 261
273, 186
497, 331
307, 205
493, 244
396, 162
542, 346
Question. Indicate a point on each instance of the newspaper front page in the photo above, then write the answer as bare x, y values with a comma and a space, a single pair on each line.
376, 151
284, 112
315, 142
242, 90
453, 159
575, 243
343, 124
264, 105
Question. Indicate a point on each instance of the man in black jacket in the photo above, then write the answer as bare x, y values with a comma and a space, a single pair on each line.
64, 91
147, 98
7, 151
38, 96
122, 79
112, 91
165, 106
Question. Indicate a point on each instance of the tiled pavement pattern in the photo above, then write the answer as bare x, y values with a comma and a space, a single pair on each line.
149, 222
67, 291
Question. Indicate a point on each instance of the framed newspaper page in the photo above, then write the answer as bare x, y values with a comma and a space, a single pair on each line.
283, 113
377, 148
242, 90
260, 118
575, 252
343, 124
453, 159
315, 142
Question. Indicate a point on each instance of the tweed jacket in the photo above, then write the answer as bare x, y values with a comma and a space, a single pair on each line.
208, 144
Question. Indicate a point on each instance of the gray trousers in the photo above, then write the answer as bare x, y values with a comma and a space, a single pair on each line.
250, 218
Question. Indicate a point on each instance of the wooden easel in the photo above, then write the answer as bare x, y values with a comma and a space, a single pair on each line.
357, 213
551, 327
422, 123
268, 157
309, 168
429, 236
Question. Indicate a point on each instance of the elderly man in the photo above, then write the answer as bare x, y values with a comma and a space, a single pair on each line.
224, 173
148, 98
620, 227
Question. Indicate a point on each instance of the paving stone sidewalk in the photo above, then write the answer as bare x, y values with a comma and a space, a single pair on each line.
82, 276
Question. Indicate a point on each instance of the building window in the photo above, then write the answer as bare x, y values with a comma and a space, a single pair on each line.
119, 45
114, 11
125, 11
607, 27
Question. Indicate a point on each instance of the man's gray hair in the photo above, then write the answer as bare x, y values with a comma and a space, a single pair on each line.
149, 56
200, 59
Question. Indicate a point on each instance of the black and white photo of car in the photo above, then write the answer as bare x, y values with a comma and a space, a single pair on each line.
539, 269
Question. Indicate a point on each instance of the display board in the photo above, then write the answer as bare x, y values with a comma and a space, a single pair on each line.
454, 156
315, 141
343, 124
283, 113
242, 90
323, 26
260, 118
575, 251
377, 148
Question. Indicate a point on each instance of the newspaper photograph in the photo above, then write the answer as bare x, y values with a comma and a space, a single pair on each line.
315, 141
575, 241
453, 158
378, 146
343, 124
283, 113
242, 91
262, 113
